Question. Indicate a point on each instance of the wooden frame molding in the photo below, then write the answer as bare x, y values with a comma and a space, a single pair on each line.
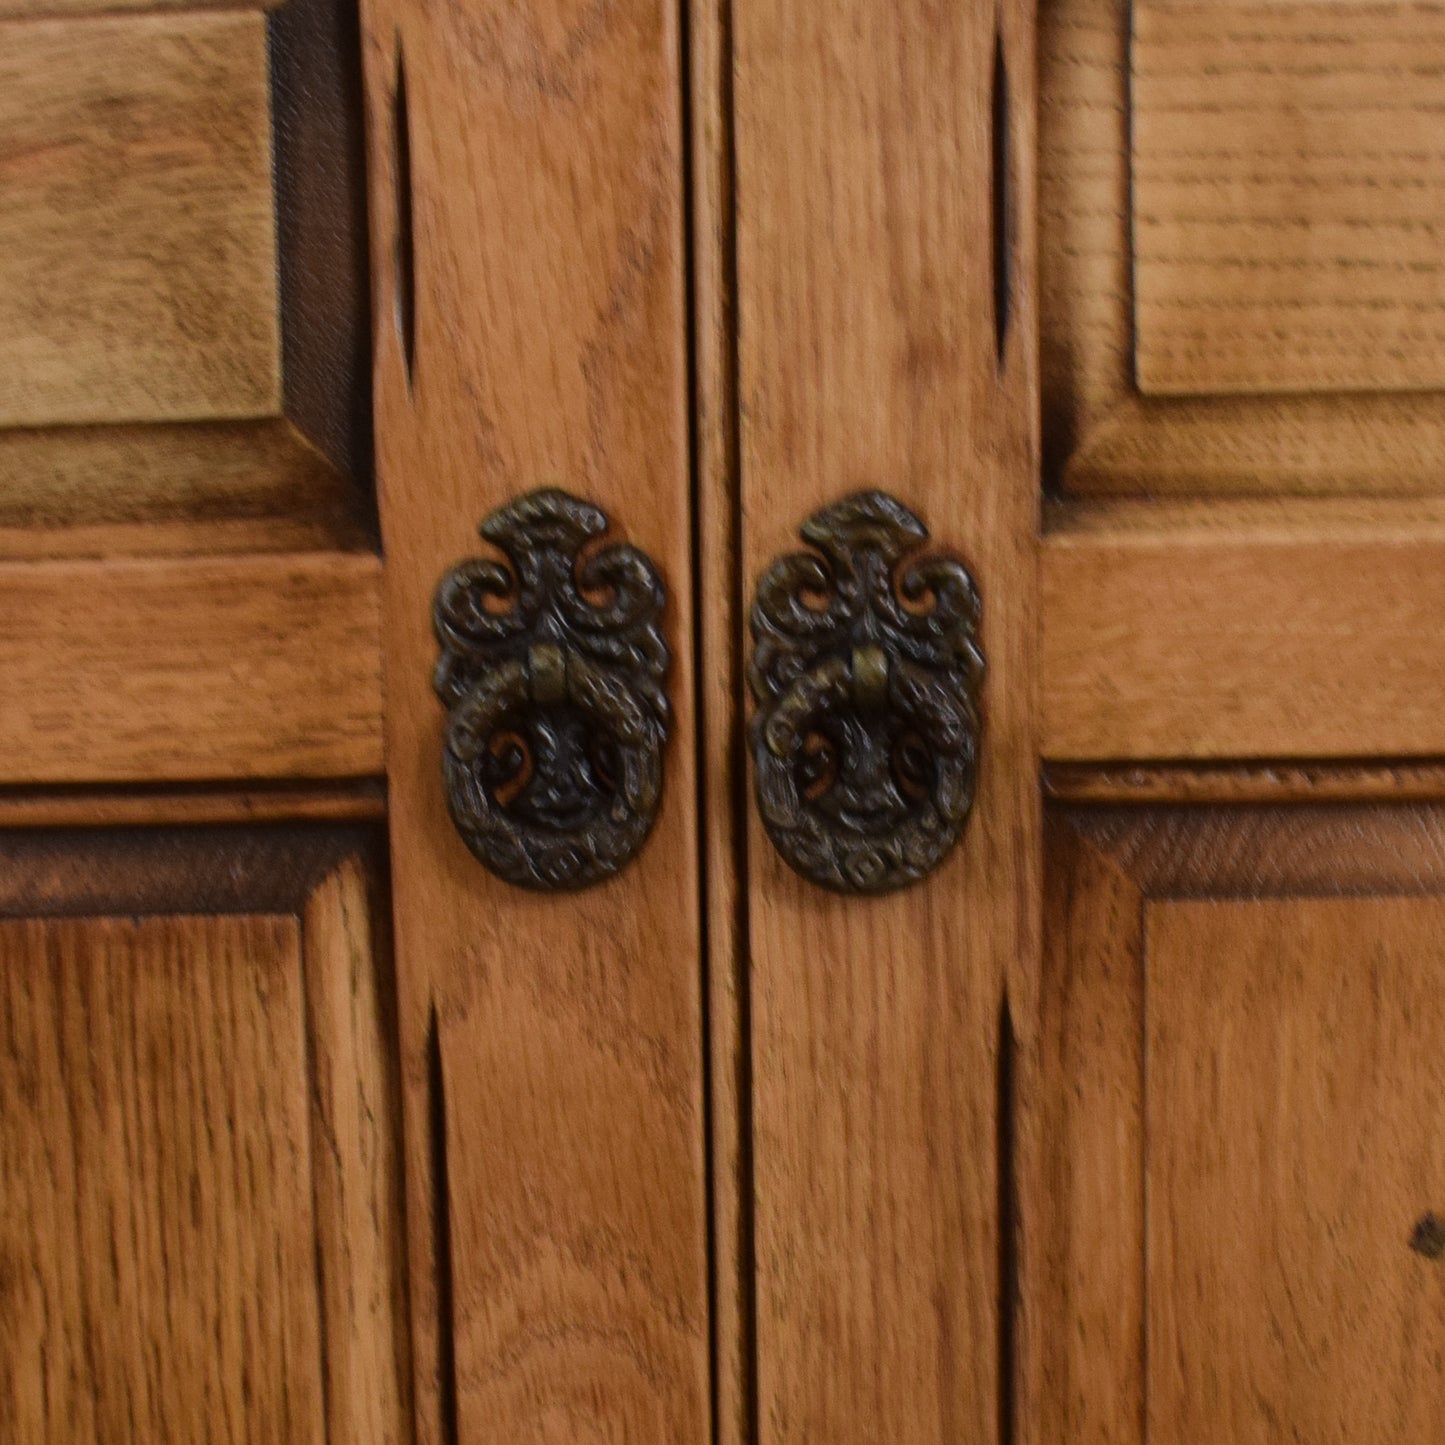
166, 669
1363, 780
1306, 628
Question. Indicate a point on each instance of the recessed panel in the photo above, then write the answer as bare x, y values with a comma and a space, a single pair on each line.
1235, 1211
200, 1172
1294, 1067
1288, 197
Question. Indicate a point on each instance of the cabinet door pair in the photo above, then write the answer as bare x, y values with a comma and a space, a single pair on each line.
895, 893
721, 1143
1118, 1122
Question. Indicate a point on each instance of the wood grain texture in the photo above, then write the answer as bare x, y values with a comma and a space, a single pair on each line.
137, 245
1381, 443
1249, 851
198, 488
1289, 193
1083, 1197
324, 279
355, 1100
1282, 782
1295, 630
156, 1225
1239, 1057
189, 869
137, 806
148, 670
1102, 436
552, 1046
38, 9
869, 358
1294, 1069
1085, 287
212, 1077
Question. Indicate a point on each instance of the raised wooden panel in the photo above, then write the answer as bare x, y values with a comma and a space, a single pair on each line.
137, 231
1242, 297
157, 1219
200, 1230
1295, 1051
1241, 1053
1288, 197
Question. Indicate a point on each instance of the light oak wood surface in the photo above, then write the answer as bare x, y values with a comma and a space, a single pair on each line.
143, 669
1349, 199
1288, 196
137, 231
161, 805
198, 488
1083, 181
1267, 782
869, 357
1082, 1199
203, 1146
1305, 629
552, 1046
1293, 1063
1117, 1128
355, 1121
1240, 1041
158, 1225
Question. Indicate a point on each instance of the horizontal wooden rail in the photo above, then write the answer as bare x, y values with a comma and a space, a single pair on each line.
1301, 629
171, 669
1293, 629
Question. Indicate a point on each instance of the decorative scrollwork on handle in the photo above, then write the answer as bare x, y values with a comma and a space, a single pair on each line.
552, 673
866, 672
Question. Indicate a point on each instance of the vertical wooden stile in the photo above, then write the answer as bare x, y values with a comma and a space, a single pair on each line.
551, 1044
886, 331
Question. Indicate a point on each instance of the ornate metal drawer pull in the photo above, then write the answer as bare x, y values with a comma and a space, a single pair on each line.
866, 672
552, 671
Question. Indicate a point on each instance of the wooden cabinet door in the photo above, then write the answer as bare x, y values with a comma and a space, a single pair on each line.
528, 233
1121, 1125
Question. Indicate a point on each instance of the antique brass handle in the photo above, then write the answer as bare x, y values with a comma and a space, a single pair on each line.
866, 672
552, 673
